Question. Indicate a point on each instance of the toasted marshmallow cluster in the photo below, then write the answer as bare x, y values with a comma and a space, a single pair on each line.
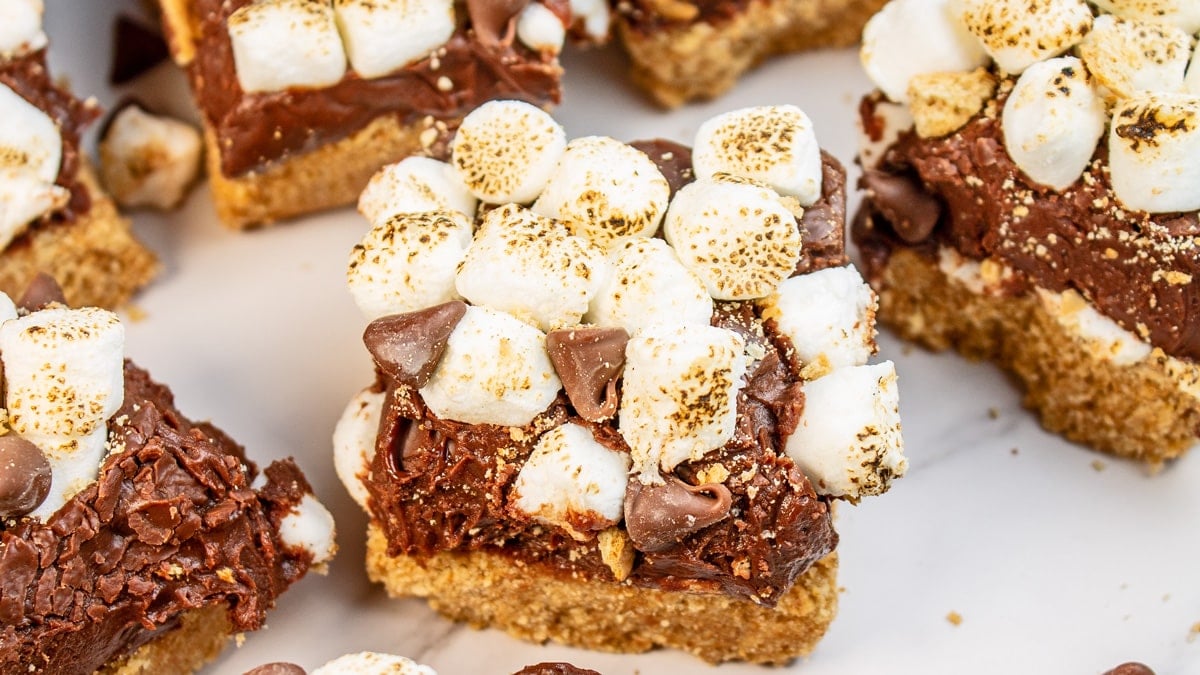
649, 285
372, 663
412, 185
30, 157
1131, 69
21, 27
149, 160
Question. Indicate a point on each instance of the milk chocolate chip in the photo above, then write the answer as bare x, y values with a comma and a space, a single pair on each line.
495, 20
912, 211
659, 516
589, 361
1131, 668
41, 291
408, 347
24, 476
279, 668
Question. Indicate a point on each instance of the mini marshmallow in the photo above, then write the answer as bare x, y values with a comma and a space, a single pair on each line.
1154, 152
1108, 340
848, 442
540, 29
24, 198
679, 394
149, 160
1053, 120
354, 441
891, 120
774, 145
494, 371
309, 527
278, 44
594, 16
21, 27
649, 285
413, 185
29, 137
739, 238
408, 262
8, 308
74, 465
506, 151
606, 191
371, 31
1182, 13
371, 663
1128, 56
914, 37
1019, 33
570, 481
531, 267
829, 316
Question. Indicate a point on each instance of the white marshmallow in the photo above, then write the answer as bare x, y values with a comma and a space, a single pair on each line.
24, 198
775, 145
1128, 56
594, 16
1019, 33
649, 285
370, 663
540, 29
571, 479
74, 465
21, 27
506, 151
1182, 13
915, 37
8, 308
309, 527
1108, 340
679, 394
891, 120
606, 191
1154, 152
413, 185
384, 35
1191, 82
739, 238
278, 44
408, 262
829, 316
29, 137
354, 441
494, 371
149, 160
1053, 120
531, 267
848, 442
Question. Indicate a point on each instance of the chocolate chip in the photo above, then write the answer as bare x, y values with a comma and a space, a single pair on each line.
659, 516
589, 361
1131, 668
279, 668
136, 49
41, 291
494, 21
913, 213
408, 347
24, 476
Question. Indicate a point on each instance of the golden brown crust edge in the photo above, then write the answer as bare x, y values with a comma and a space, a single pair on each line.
702, 61
1135, 411
200, 637
488, 590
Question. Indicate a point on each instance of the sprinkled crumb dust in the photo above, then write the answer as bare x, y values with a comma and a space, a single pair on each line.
1099, 465
954, 618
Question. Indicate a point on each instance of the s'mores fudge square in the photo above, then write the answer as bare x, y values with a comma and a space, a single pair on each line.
1032, 177
618, 386
132, 540
304, 100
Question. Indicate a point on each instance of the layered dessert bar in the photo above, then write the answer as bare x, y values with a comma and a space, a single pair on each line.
1032, 177
54, 219
374, 663
683, 50
132, 540
618, 386
304, 100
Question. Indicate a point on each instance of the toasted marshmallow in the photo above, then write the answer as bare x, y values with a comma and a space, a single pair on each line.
606, 191
531, 267
413, 185
74, 464
572, 481
829, 316
891, 120
679, 396
370, 30
848, 442
739, 238
278, 44
649, 285
370, 663
1019, 33
1154, 152
21, 27
774, 145
1182, 13
149, 160
354, 441
914, 37
593, 15
309, 527
24, 198
1129, 57
506, 151
29, 138
8, 308
1053, 120
540, 29
494, 371
407, 262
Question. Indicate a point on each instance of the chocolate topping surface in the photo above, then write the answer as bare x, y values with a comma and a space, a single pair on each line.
279, 668
24, 476
554, 668
1131, 668
589, 361
658, 517
408, 347
42, 290
673, 160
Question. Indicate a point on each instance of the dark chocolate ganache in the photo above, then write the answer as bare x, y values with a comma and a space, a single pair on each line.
170, 525
1137, 268
438, 485
481, 62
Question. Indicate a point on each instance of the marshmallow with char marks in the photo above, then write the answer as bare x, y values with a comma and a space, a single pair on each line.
1019, 33
279, 44
1191, 82
384, 35
829, 316
1182, 13
506, 151
540, 29
1129, 57
413, 185
1154, 152
30, 156
354, 441
649, 285
21, 27
371, 663
149, 160
775, 145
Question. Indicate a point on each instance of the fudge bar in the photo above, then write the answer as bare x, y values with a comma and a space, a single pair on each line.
374, 663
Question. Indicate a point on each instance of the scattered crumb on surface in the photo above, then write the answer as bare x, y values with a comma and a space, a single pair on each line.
240, 638
954, 618
993, 413
136, 314
1194, 632
906, 349
1014, 452
1099, 465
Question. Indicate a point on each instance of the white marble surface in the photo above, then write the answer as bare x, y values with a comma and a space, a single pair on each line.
1057, 559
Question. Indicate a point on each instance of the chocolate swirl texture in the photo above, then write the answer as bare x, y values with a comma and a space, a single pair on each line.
171, 525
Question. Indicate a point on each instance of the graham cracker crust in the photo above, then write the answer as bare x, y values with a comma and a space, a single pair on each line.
201, 636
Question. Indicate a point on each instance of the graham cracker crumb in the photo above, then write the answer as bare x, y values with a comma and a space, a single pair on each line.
1099, 465
954, 618
941, 103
